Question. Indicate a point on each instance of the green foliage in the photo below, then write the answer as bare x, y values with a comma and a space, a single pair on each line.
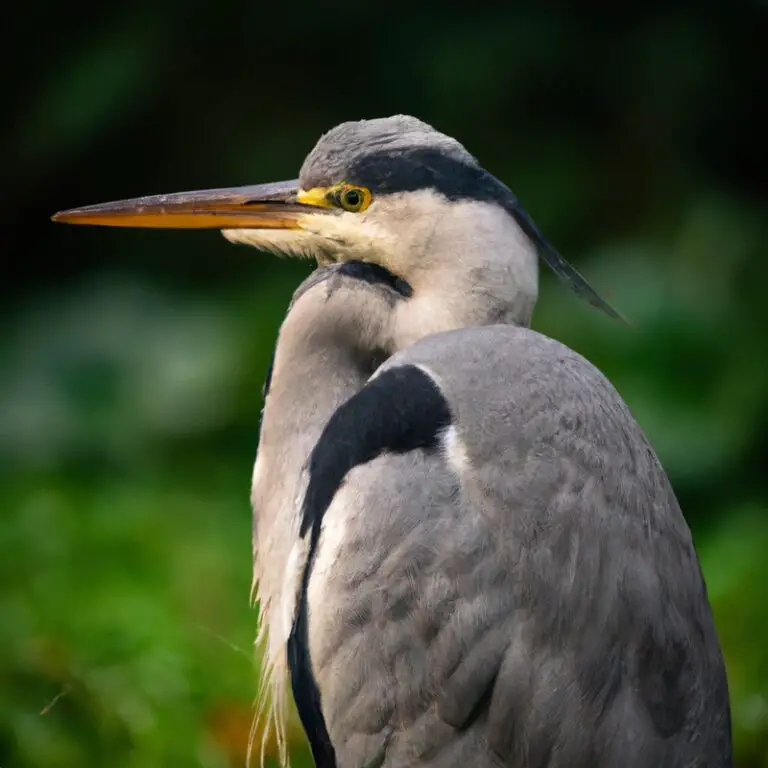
131, 363
126, 560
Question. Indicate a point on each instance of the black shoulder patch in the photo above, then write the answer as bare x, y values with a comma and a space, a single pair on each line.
400, 410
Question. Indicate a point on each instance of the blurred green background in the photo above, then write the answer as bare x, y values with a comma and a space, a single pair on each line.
132, 362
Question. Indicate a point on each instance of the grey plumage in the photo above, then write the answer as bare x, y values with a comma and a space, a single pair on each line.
527, 595
466, 552
349, 150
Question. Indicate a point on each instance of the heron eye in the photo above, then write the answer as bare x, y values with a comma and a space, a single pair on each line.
353, 199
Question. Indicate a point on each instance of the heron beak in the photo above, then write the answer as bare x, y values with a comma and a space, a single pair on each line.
280, 205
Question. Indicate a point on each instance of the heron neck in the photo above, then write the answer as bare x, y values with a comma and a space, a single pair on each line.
326, 351
309, 381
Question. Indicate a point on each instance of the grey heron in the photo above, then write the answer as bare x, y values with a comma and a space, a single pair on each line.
466, 552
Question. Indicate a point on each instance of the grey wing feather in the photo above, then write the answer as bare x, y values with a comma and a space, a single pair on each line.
527, 595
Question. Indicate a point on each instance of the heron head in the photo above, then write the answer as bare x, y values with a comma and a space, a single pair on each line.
393, 192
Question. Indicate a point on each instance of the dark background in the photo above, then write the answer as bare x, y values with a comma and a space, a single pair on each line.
132, 361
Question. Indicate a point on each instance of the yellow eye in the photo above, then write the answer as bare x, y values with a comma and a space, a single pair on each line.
353, 199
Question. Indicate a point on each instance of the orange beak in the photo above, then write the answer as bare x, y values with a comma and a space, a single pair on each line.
262, 206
